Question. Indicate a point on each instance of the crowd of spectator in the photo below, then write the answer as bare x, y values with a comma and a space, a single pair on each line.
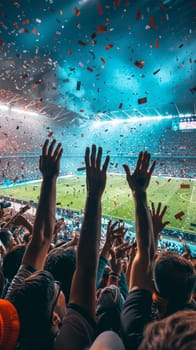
88, 284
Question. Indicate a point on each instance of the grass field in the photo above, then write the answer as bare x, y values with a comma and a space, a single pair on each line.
117, 199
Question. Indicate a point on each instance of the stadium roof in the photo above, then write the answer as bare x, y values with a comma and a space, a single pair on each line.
80, 60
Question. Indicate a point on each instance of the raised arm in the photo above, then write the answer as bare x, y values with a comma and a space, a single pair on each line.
83, 291
138, 182
43, 228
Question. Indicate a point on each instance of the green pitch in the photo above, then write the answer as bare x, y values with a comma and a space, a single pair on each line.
117, 199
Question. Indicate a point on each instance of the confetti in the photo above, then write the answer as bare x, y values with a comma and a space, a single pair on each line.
81, 169
77, 11
90, 69
139, 63
1, 42
82, 43
108, 47
152, 22
35, 31
179, 215
101, 29
184, 186
26, 21
156, 71
180, 46
50, 133
100, 9
142, 100
120, 105
103, 60
78, 85
157, 43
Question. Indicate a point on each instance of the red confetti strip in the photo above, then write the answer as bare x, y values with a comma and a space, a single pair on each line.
157, 43
89, 69
184, 186
100, 9
50, 133
35, 31
108, 47
142, 100
126, 3
101, 29
1, 42
77, 11
179, 215
26, 21
152, 22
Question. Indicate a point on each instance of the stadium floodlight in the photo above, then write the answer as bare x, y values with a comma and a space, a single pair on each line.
116, 121
10, 109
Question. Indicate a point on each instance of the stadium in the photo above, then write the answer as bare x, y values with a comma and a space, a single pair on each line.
118, 74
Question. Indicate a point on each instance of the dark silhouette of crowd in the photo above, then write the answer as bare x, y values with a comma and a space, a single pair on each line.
80, 294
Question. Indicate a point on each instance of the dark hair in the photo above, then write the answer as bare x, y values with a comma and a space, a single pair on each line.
61, 263
32, 299
5, 236
174, 278
176, 332
12, 261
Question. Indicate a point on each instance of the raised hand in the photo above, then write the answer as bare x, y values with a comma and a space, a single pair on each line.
111, 235
95, 176
49, 162
157, 219
140, 178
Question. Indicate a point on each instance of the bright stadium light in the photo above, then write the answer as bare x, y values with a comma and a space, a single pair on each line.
116, 121
8, 108
22, 111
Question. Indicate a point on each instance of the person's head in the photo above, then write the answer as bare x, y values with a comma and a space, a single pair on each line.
174, 278
7, 238
61, 263
12, 261
175, 332
109, 305
41, 306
